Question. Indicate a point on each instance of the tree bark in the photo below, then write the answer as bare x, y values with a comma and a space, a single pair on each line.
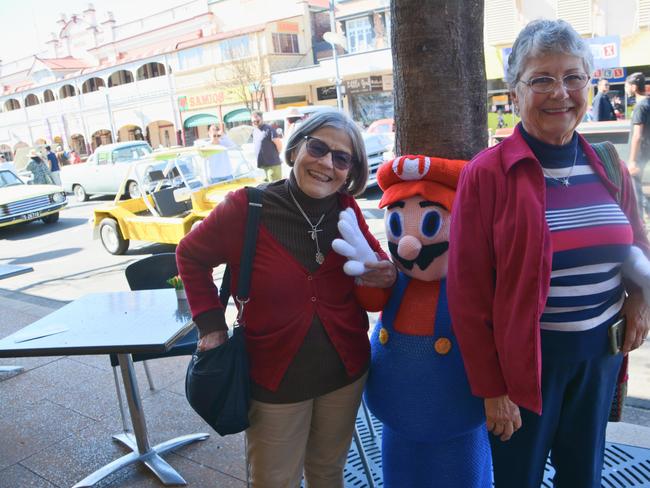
439, 77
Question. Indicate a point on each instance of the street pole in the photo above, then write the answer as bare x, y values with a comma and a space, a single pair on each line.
110, 116
339, 100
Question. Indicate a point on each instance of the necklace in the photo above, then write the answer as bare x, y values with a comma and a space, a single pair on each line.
313, 233
564, 180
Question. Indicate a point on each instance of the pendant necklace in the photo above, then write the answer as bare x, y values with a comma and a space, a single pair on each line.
313, 233
564, 180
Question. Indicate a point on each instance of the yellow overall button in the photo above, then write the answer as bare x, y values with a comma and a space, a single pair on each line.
442, 345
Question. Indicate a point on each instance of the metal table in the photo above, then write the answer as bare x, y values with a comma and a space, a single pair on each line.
124, 323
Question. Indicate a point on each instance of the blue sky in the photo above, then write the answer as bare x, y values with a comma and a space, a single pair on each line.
26, 22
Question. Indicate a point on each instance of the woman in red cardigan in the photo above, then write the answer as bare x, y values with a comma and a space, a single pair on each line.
306, 334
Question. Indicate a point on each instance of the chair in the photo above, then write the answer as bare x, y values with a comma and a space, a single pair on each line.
152, 273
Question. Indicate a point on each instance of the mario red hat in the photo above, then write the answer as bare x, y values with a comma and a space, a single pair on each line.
432, 178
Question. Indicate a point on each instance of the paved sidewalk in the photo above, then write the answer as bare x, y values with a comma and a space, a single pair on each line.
58, 416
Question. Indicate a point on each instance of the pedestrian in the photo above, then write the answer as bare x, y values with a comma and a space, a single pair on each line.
306, 334
217, 167
54, 165
602, 108
640, 134
534, 279
39, 169
62, 156
267, 146
74, 157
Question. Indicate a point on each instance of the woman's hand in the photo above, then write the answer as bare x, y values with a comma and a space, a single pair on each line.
212, 340
381, 274
502, 416
637, 317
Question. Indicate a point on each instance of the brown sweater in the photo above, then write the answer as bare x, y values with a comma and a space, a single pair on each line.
317, 368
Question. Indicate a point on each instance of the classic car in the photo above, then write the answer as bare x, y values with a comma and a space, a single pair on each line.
20, 202
179, 188
103, 173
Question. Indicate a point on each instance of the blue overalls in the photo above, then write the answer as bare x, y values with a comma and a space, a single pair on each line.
434, 428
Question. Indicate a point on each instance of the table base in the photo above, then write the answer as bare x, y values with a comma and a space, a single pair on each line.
165, 473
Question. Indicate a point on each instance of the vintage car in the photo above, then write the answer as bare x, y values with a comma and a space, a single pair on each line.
103, 173
20, 202
180, 187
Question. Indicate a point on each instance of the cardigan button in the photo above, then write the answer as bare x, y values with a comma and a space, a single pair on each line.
310, 277
442, 346
383, 336
313, 299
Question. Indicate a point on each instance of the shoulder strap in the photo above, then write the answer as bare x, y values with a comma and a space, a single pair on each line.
248, 253
612, 163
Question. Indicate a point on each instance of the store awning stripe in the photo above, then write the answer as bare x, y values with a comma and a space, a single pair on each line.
199, 120
239, 115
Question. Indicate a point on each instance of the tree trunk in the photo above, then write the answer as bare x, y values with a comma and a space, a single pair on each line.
439, 77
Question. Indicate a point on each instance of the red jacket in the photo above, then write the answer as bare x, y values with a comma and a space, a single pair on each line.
500, 266
284, 296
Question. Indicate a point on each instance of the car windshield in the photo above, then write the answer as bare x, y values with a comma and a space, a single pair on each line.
129, 153
7, 178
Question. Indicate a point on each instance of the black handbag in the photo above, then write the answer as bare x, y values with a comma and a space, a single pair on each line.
217, 383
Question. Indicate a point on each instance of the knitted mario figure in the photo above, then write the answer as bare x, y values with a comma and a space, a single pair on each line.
434, 432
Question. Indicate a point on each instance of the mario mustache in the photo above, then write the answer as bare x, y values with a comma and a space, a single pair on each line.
425, 257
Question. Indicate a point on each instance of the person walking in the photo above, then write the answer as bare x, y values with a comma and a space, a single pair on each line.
534, 282
640, 135
602, 108
54, 165
306, 334
267, 146
39, 169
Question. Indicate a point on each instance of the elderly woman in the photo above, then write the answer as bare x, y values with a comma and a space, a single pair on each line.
306, 335
534, 277
41, 174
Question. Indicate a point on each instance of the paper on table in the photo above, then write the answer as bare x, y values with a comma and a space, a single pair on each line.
37, 334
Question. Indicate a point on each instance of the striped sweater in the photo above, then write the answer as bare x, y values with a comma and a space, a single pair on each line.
591, 237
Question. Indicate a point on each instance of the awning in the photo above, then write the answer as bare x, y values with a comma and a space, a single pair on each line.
634, 49
493, 63
239, 115
199, 120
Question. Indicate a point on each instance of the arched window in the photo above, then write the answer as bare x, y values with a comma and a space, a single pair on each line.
120, 78
92, 84
31, 99
12, 104
48, 96
150, 70
67, 91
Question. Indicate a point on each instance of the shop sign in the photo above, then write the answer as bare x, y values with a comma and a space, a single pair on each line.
606, 51
288, 27
613, 75
364, 85
207, 99
326, 92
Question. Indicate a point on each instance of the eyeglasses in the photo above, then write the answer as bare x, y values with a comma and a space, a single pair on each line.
317, 149
546, 84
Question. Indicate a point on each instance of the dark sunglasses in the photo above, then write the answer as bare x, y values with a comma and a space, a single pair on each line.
317, 149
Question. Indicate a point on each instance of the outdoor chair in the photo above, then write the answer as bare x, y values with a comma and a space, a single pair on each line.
152, 273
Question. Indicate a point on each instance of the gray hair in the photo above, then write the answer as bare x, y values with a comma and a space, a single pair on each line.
545, 36
334, 119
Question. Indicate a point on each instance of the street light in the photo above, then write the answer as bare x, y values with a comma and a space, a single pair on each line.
104, 90
333, 38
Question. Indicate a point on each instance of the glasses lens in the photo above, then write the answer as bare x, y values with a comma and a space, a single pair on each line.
341, 160
543, 84
317, 148
575, 82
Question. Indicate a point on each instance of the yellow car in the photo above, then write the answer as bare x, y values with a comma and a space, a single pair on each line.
180, 187
22, 203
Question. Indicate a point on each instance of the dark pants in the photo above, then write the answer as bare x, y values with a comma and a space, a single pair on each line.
576, 401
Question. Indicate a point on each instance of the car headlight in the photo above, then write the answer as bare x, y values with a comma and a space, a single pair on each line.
58, 197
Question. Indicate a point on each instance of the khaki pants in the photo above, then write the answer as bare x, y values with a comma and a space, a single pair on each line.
314, 435
272, 173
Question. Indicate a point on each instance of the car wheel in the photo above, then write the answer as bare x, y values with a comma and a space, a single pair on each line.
80, 193
133, 190
112, 237
51, 219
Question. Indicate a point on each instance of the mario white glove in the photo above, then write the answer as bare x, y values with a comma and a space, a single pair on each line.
353, 245
637, 268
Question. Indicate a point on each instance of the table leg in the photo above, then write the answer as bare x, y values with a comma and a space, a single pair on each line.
138, 442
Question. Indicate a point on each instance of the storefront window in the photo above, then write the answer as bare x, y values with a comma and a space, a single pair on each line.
360, 35
285, 43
